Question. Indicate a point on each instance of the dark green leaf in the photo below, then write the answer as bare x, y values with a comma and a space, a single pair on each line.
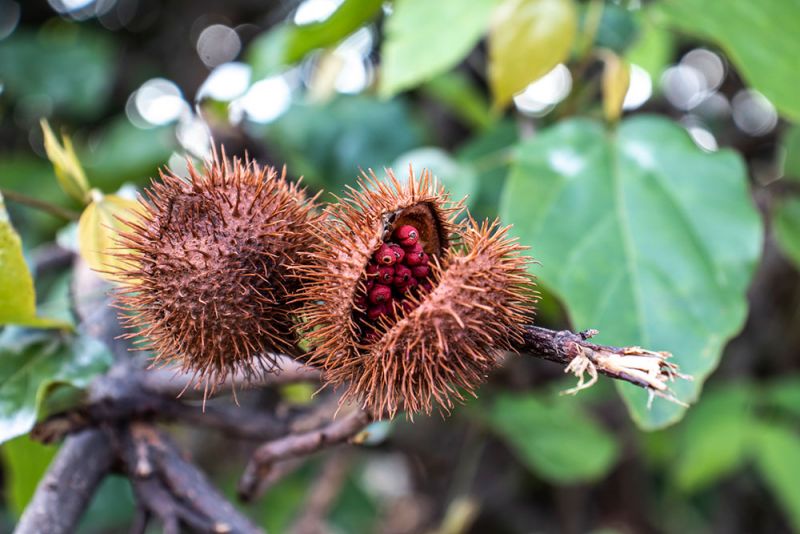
644, 237
760, 38
416, 27
783, 394
553, 436
31, 363
617, 29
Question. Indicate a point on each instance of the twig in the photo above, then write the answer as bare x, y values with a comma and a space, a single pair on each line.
119, 397
641, 367
174, 490
294, 445
65, 491
31, 202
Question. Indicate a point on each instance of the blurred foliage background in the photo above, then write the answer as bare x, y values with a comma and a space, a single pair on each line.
644, 150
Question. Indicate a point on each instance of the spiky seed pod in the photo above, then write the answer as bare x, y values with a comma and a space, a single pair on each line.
443, 329
208, 278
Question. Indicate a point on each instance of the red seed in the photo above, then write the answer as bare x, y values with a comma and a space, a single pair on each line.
413, 259
379, 294
384, 255
412, 249
420, 271
408, 286
426, 285
407, 235
386, 275
372, 269
373, 312
425, 258
360, 302
402, 275
398, 251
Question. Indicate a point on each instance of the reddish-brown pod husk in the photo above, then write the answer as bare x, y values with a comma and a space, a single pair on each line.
460, 297
209, 284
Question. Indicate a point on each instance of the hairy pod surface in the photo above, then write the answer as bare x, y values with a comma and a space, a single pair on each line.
208, 282
459, 297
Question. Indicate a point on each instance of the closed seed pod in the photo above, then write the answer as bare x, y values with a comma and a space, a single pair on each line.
207, 284
443, 329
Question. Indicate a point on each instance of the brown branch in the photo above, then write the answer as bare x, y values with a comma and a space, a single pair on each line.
66, 490
296, 445
169, 487
640, 367
47, 207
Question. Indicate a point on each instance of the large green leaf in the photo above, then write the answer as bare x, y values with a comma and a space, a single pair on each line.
777, 454
32, 364
759, 37
553, 436
17, 296
69, 67
527, 38
790, 146
643, 236
417, 27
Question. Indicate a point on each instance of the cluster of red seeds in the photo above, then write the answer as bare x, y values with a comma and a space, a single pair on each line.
397, 269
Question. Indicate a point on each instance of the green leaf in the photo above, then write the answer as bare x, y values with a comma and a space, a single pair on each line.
16, 285
32, 363
618, 28
790, 146
459, 178
553, 437
644, 237
98, 227
777, 454
713, 438
760, 38
462, 96
653, 49
288, 43
527, 38
26, 461
786, 224
783, 394
61, 65
417, 27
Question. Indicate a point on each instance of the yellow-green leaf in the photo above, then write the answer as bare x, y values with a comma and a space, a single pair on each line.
527, 38
97, 230
66, 165
17, 295
616, 79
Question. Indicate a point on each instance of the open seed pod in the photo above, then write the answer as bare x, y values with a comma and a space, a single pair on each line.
405, 307
207, 284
